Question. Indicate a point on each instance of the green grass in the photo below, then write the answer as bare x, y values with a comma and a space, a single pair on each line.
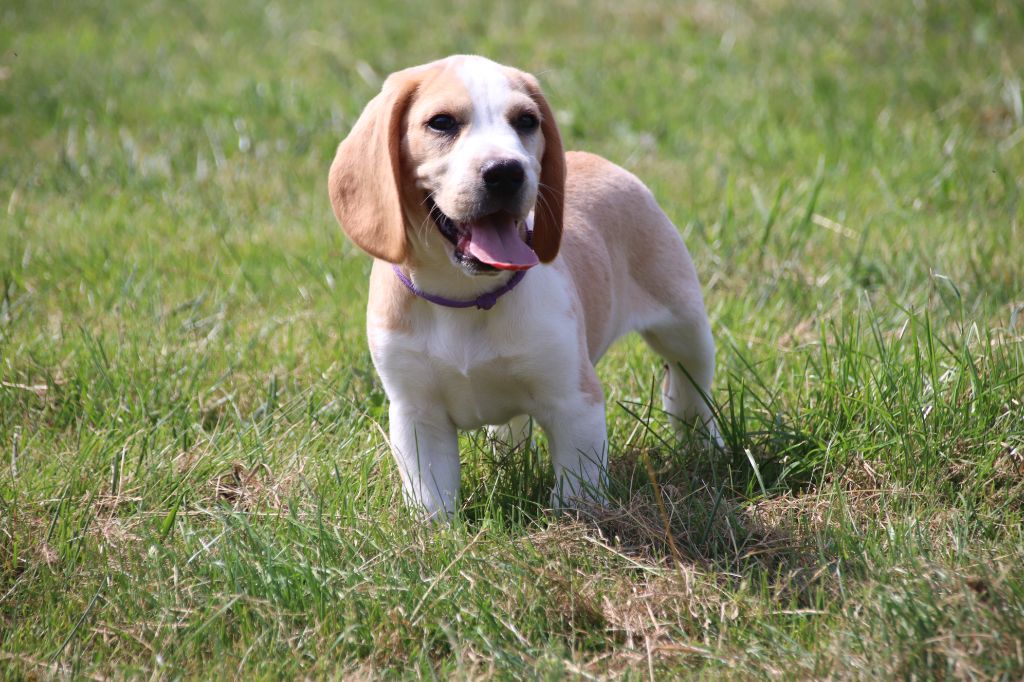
194, 479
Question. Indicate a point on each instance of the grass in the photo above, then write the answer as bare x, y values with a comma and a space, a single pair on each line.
195, 481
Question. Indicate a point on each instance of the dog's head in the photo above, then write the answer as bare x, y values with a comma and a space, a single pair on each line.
456, 153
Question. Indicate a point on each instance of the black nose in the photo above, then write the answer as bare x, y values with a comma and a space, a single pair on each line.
503, 177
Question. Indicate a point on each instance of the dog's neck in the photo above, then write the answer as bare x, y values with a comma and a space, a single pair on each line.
431, 269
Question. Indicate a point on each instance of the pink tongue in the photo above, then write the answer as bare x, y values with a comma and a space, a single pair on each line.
495, 240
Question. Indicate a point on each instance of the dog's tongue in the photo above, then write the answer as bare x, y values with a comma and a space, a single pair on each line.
494, 240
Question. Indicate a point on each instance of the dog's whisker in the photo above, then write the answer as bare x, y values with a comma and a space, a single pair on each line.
428, 197
543, 201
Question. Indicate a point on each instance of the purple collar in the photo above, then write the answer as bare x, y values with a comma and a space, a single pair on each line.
483, 301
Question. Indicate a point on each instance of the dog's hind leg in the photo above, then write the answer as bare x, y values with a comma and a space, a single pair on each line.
684, 341
513, 434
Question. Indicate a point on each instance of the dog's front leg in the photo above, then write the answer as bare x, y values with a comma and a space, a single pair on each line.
578, 440
425, 445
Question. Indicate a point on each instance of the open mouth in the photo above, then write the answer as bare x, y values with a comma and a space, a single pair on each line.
486, 243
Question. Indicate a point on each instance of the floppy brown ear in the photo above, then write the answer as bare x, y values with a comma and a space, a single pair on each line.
365, 178
547, 216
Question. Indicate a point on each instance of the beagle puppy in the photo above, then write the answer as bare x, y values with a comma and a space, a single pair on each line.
504, 268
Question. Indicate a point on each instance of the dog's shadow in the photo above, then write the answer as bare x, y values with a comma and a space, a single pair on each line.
673, 503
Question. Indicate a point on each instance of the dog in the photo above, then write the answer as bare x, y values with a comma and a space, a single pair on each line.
504, 268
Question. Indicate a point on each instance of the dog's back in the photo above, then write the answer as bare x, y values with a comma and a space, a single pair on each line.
630, 266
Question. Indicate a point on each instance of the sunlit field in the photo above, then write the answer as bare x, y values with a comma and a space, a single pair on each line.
194, 475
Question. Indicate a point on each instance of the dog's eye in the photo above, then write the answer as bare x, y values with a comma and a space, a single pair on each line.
443, 123
525, 122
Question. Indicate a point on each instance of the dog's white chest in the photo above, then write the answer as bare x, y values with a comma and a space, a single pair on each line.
486, 391
477, 376
482, 367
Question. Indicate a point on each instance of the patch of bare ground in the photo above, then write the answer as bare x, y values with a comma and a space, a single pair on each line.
658, 613
677, 566
244, 488
23, 545
255, 487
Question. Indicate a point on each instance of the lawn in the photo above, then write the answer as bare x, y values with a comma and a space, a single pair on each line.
194, 479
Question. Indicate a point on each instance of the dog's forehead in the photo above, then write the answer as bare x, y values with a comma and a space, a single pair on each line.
477, 82
442, 86
488, 83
